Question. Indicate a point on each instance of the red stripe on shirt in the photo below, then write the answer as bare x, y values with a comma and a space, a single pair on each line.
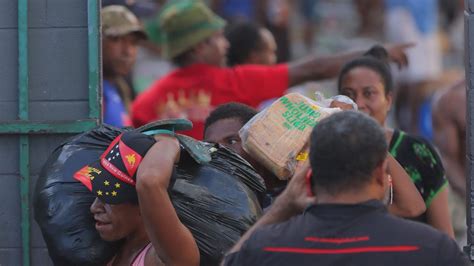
342, 250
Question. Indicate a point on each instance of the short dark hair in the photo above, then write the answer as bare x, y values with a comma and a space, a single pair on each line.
181, 59
376, 59
230, 110
345, 149
244, 38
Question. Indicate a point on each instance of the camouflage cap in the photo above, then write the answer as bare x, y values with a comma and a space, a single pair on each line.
118, 21
185, 23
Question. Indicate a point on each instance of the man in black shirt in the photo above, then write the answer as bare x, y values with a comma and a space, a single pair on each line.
349, 224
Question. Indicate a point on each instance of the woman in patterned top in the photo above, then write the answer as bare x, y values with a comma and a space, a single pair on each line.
368, 81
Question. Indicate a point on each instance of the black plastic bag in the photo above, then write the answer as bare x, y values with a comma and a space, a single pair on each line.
216, 201
61, 204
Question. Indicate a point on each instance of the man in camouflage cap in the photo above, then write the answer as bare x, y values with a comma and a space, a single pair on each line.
193, 39
121, 32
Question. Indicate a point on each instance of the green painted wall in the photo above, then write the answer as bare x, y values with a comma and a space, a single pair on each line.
49, 91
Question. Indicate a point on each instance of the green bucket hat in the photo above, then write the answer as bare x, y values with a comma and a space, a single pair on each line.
118, 21
185, 23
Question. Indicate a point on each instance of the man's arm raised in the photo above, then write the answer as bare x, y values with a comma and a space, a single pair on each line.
292, 201
407, 201
172, 241
324, 67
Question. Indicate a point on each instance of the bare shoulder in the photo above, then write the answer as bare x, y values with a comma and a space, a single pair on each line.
450, 101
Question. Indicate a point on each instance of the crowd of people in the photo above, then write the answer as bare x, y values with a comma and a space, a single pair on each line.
371, 193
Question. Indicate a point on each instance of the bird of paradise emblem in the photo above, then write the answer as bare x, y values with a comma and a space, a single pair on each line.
131, 159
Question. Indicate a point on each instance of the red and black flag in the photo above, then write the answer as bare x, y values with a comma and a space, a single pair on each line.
112, 178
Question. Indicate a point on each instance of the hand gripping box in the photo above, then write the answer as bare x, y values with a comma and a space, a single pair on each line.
277, 137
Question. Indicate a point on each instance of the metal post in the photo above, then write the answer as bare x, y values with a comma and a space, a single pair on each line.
94, 46
23, 99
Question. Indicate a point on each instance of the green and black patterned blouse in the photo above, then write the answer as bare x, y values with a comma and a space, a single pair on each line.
421, 162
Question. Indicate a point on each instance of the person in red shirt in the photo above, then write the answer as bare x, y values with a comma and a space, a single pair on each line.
194, 41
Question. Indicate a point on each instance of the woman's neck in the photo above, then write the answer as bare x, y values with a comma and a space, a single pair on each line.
134, 243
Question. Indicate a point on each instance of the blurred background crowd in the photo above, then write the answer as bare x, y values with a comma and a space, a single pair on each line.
323, 27
297, 28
